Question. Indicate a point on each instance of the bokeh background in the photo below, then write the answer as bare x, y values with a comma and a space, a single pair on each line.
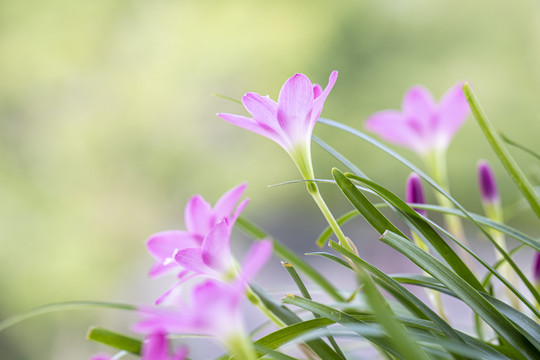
107, 126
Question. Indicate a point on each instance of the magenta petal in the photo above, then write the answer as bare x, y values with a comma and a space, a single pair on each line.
238, 211
452, 111
317, 90
181, 353
101, 357
256, 258
155, 347
391, 126
225, 205
216, 251
318, 103
418, 103
197, 215
191, 259
294, 105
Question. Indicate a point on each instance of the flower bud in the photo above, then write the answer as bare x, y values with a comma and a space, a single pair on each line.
414, 193
487, 183
536, 269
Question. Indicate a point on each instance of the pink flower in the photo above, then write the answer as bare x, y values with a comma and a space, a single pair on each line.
422, 125
290, 121
155, 347
215, 306
200, 220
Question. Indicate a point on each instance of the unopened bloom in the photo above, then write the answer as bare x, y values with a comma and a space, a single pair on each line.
536, 269
414, 193
215, 306
422, 125
487, 183
200, 219
290, 121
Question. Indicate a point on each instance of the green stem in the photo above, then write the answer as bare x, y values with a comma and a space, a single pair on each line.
302, 158
240, 346
254, 299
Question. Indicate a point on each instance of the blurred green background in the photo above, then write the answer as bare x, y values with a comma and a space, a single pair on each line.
107, 125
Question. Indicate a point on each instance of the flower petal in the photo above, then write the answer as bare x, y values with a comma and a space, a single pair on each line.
262, 108
162, 246
198, 215
391, 126
225, 205
216, 248
418, 103
191, 259
294, 105
317, 90
256, 258
318, 103
155, 347
452, 112
257, 128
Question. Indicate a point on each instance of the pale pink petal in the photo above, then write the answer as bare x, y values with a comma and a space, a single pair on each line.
391, 126
226, 204
191, 259
162, 246
262, 108
318, 103
155, 347
294, 106
256, 258
452, 112
238, 211
418, 103
216, 248
257, 128
198, 215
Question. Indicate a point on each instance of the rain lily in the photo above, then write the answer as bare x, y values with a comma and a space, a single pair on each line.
414, 193
200, 221
290, 121
422, 125
155, 347
215, 306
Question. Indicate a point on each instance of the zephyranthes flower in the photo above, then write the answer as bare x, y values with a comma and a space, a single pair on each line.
200, 219
422, 125
215, 306
290, 121
414, 193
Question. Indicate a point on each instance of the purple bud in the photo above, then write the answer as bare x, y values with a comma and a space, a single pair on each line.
536, 268
486, 183
414, 193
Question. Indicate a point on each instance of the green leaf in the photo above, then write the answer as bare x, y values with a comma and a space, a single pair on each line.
288, 317
305, 293
466, 293
509, 141
70, 305
423, 229
115, 340
399, 335
288, 255
373, 216
502, 152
